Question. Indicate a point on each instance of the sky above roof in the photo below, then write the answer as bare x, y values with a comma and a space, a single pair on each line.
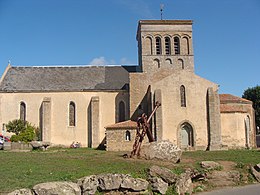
79, 32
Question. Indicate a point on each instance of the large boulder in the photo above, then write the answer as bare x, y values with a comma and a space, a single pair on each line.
210, 165
165, 174
158, 185
23, 191
133, 184
40, 144
109, 182
88, 184
163, 150
184, 184
61, 188
223, 178
255, 170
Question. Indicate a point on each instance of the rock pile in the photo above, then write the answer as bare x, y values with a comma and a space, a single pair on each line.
256, 171
159, 180
119, 183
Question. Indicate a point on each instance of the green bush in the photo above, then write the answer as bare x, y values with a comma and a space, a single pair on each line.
15, 138
16, 126
24, 131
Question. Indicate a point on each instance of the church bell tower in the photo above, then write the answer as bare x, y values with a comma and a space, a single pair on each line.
165, 44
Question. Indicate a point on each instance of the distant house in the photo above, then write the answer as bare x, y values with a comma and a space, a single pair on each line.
78, 103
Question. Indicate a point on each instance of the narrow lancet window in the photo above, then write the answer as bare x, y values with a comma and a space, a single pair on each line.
22, 111
127, 136
148, 44
183, 96
72, 114
158, 45
167, 46
177, 45
121, 111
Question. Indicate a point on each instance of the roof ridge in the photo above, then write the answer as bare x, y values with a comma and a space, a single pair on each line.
226, 97
71, 65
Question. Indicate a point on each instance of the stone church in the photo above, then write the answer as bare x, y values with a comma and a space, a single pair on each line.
98, 105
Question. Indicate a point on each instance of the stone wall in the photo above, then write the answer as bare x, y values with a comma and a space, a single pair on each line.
116, 139
213, 119
237, 122
51, 112
147, 33
195, 111
121, 136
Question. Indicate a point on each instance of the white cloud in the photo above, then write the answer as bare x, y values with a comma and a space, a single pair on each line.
125, 61
100, 61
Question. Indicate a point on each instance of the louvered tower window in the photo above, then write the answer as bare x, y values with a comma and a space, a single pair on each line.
176, 45
167, 46
158, 46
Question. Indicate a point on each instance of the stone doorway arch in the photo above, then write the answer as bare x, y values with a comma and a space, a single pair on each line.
186, 135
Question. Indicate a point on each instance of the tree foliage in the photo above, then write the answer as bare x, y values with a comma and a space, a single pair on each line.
253, 94
24, 131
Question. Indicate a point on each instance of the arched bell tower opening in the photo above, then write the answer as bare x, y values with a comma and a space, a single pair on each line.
165, 40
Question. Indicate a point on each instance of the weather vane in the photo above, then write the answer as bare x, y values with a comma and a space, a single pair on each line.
161, 9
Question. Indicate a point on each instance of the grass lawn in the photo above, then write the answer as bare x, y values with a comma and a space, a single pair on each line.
25, 169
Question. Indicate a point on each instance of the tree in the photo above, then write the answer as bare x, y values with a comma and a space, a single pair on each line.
24, 131
253, 94
16, 126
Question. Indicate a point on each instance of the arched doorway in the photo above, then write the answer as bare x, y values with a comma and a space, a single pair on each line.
187, 138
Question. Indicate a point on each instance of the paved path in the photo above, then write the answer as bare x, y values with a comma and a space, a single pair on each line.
244, 190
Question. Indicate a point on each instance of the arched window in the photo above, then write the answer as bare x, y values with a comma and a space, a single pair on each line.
127, 136
121, 111
140, 110
187, 138
183, 96
186, 45
181, 63
176, 45
148, 44
168, 61
158, 45
72, 114
167, 46
157, 63
22, 111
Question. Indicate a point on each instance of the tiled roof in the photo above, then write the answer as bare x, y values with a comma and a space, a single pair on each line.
228, 98
123, 125
231, 108
230, 104
66, 78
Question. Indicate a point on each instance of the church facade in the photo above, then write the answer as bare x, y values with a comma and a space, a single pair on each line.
97, 105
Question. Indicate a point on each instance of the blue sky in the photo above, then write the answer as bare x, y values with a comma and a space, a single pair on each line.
78, 32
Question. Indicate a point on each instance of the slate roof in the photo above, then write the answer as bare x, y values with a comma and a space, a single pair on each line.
66, 78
